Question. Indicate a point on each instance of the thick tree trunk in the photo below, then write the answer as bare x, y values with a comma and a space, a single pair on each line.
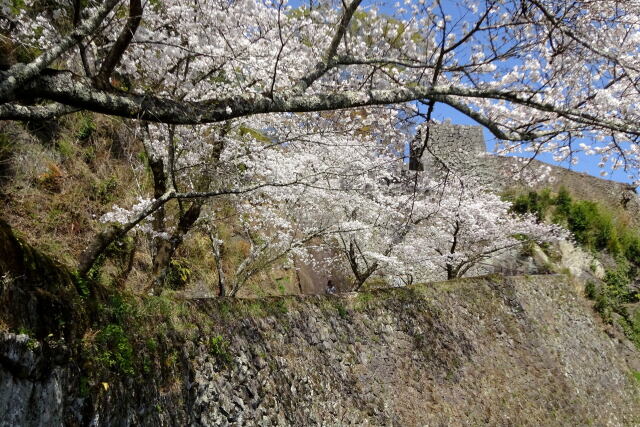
97, 248
124, 273
362, 277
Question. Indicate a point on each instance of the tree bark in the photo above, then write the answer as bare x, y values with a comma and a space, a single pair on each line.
121, 44
66, 88
218, 253
124, 273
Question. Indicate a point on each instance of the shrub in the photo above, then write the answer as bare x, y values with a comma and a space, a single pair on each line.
178, 275
590, 290
603, 306
617, 281
86, 127
114, 349
594, 226
563, 202
219, 348
532, 202
103, 190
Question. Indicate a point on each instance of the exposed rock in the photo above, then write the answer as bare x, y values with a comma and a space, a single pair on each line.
521, 350
578, 262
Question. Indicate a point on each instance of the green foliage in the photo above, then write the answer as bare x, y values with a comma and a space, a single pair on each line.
225, 309
534, 203
630, 245
25, 331
86, 127
617, 282
219, 348
342, 311
178, 275
119, 309
594, 226
280, 284
363, 300
152, 344
84, 386
613, 296
33, 344
631, 327
596, 229
563, 203
635, 323
65, 147
590, 290
17, 6
603, 306
114, 350
279, 306
94, 272
81, 285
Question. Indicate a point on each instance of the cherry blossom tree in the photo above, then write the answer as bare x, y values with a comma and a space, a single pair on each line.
545, 72
381, 219
273, 238
412, 228
212, 84
473, 226
273, 171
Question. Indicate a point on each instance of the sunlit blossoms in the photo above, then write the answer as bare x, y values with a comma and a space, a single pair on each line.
269, 105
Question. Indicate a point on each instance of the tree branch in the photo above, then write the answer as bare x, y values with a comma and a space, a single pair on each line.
37, 112
75, 91
581, 41
121, 44
115, 232
326, 62
19, 74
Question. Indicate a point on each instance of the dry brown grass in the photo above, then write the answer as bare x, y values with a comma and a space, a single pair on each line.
62, 177
58, 189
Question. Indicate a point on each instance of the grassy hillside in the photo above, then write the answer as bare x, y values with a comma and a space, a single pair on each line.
57, 179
